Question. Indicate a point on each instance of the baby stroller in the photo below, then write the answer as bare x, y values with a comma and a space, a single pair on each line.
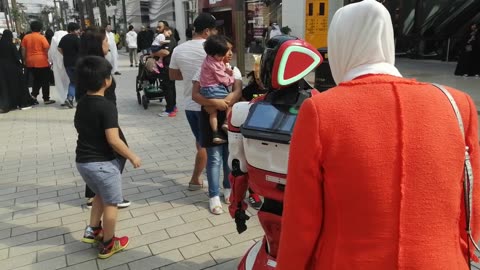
149, 82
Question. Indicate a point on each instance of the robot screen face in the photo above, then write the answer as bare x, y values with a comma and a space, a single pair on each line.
287, 60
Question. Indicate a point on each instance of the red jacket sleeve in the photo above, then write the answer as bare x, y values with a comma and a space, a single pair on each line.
471, 136
302, 214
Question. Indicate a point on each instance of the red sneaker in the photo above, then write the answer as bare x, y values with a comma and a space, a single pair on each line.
116, 245
92, 235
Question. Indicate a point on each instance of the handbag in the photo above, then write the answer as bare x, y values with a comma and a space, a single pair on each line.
467, 175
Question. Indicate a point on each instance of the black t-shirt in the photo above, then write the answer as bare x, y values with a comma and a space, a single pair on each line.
70, 45
94, 115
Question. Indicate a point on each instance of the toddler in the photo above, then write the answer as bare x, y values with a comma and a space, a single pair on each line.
215, 78
161, 42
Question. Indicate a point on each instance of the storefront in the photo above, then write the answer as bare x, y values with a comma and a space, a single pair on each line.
259, 14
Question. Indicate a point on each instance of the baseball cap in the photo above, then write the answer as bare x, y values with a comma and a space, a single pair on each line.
204, 21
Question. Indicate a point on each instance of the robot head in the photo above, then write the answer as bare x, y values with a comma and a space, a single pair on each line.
287, 60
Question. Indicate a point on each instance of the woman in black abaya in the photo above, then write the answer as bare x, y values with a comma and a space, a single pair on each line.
13, 90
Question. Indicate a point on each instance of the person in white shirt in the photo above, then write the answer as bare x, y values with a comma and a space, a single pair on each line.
131, 39
112, 55
186, 59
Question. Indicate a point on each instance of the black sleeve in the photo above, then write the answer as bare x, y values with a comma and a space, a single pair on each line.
61, 44
109, 116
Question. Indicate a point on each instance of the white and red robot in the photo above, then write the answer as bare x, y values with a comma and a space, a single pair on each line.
259, 140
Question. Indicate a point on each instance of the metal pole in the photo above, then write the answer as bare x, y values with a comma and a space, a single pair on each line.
239, 15
124, 16
6, 12
448, 50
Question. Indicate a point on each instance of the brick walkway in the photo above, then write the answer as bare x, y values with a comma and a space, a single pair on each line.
41, 193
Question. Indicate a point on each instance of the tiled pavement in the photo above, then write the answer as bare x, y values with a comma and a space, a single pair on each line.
41, 193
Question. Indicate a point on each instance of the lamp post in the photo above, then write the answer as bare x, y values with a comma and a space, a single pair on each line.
124, 16
239, 15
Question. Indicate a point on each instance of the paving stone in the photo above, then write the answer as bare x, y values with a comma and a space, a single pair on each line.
126, 256
216, 231
36, 227
60, 251
19, 261
195, 263
173, 243
165, 198
204, 247
189, 227
160, 224
89, 265
233, 264
35, 246
18, 240
60, 213
82, 256
231, 252
51, 264
150, 209
146, 219
156, 261
251, 233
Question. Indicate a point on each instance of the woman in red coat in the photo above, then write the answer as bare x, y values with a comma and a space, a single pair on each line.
375, 176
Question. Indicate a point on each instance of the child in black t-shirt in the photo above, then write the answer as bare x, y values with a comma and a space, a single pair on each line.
96, 121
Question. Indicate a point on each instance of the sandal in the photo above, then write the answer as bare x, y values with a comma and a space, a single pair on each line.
194, 187
215, 205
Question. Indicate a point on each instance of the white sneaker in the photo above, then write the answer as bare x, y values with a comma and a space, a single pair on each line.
163, 114
25, 108
215, 205
226, 195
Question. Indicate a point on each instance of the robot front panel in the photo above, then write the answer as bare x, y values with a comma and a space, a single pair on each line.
268, 156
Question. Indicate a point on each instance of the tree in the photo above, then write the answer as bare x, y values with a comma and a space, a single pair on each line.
89, 8
102, 6
81, 14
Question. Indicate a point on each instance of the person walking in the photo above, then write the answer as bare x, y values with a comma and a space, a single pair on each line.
96, 121
376, 164
94, 42
217, 154
112, 55
468, 64
186, 59
143, 41
131, 39
69, 47
34, 48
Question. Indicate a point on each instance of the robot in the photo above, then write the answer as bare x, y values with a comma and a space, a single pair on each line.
259, 139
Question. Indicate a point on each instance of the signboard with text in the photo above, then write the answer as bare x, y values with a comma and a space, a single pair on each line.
316, 22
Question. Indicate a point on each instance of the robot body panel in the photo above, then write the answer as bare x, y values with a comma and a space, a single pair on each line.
259, 142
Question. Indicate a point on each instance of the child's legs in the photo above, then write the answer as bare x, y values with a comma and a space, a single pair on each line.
130, 53
213, 121
109, 221
96, 212
104, 179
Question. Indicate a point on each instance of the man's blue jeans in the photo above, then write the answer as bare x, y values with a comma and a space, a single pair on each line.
216, 156
71, 87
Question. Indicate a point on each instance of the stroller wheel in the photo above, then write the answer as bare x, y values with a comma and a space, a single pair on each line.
139, 98
145, 102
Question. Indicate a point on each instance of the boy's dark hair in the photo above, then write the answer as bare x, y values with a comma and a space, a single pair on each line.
91, 41
91, 72
72, 27
36, 26
130, 27
216, 45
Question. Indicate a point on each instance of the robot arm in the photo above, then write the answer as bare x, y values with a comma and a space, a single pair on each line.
238, 165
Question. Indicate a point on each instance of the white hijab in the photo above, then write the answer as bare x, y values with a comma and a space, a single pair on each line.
360, 42
61, 78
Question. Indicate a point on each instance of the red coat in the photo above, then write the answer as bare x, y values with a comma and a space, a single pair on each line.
375, 179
